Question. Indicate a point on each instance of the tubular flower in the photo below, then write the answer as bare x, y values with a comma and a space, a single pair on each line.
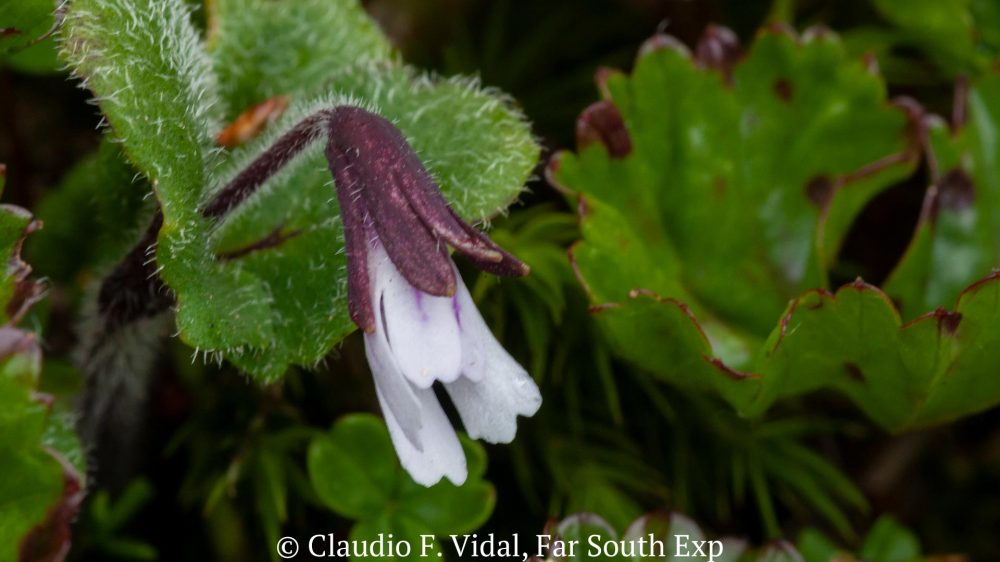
404, 291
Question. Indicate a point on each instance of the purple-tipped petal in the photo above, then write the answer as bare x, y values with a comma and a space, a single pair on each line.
357, 243
363, 152
425, 197
403, 173
507, 266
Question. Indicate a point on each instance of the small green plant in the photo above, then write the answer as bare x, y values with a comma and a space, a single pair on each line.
354, 473
761, 291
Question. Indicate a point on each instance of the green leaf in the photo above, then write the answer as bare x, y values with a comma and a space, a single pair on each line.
261, 48
449, 509
355, 472
986, 15
39, 58
22, 22
145, 62
40, 490
734, 199
286, 304
607, 488
353, 468
815, 546
770, 162
389, 530
33, 478
270, 493
958, 237
945, 29
888, 541
104, 521
99, 196
60, 436
16, 291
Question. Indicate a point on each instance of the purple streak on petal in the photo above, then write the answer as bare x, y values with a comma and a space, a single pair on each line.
493, 389
457, 308
381, 320
418, 298
371, 148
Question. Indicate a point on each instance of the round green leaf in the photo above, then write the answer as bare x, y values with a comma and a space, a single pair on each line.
353, 468
447, 509
395, 528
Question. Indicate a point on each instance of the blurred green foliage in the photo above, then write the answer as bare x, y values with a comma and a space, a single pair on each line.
24, 23
41, 460
105, 517
682, 539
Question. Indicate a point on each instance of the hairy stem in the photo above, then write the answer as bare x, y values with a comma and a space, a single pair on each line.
120, 340
133, 290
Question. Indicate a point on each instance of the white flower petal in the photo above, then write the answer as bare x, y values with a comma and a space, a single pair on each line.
421, 329
441, 455
395, 393
495, 389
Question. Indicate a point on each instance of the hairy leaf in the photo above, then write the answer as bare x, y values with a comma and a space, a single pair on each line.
261, 48
266, 287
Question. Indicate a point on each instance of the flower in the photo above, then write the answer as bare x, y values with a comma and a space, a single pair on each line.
420, 323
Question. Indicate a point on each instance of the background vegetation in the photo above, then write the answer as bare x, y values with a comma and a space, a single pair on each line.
858, 436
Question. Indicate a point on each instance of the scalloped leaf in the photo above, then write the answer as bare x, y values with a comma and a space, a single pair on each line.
266, 308
957, 240
750, 182
733, 198
40, 491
